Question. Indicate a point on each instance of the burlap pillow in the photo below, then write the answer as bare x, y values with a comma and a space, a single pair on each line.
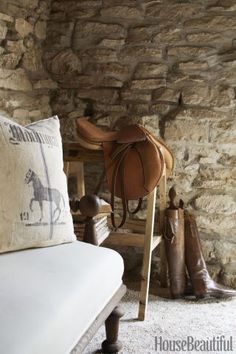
34, 206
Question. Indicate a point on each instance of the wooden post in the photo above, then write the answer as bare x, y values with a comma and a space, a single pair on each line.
89, 207
162, 188
76, 169
112, 344
147, 255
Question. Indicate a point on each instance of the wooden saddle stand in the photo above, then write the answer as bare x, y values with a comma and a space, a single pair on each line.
135, 163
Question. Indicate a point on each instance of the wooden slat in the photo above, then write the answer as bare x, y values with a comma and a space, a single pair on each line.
74, 152
130, 239
136, 225
125, 239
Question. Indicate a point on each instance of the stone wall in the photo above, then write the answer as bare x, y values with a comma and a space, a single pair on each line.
24, 83
170, 65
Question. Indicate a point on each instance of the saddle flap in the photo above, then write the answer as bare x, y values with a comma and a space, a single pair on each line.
137, 170
167, 153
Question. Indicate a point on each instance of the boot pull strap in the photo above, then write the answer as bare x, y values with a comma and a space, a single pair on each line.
173, 235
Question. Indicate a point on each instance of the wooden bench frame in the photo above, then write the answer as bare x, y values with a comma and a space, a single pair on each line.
111, 313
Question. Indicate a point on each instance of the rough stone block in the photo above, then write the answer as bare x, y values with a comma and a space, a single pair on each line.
151, 122
32, 59
28, 4
100, 95
161, 108
188, 52
23, 27
180, 130
150, 70
114, 70
136, 96
193, 66
203, 37
10, 61
219, 204
124, 12
140, 53
198, 95
35, 115
223, 132
110, 82
63, 101
112, 43
110, 108
227, 158
228, 275
98, 29
6, 18
147, 84
15, 46
3, 30
89, 3
172, 12
45, 84
198, 114
82, 13
209, 177
99, 55
60, 34
21, 113
14, 80
212, 22
142, 33
218, 225
225, 251
138, 109
171, 36
108, 3
74, 9
40, 29
168, 95
64, 64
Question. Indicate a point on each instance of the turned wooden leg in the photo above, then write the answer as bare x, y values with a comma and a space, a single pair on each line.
112, 344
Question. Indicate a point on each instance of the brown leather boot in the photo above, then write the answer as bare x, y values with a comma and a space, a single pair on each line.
174, 245
203, 285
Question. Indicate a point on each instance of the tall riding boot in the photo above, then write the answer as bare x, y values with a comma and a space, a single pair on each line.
174, 245
203, 285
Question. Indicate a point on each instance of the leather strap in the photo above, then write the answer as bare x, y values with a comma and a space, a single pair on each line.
124, 150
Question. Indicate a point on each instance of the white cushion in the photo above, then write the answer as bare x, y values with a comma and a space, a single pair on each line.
49, 297
34, 206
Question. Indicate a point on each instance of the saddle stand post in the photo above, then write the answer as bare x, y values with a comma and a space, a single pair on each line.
142, 234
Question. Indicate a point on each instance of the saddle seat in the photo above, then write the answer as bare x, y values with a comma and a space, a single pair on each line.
91, 137
134, 161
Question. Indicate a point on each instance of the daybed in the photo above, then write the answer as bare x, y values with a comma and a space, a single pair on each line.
54, 291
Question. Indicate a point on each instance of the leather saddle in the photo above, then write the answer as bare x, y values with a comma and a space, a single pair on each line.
134, 160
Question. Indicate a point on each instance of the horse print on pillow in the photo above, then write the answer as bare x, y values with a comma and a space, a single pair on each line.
34, 203
42, 193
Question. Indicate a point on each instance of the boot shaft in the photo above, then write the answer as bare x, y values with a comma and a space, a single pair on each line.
174, 245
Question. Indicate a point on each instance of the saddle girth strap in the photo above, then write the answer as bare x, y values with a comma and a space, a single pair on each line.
123, 151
